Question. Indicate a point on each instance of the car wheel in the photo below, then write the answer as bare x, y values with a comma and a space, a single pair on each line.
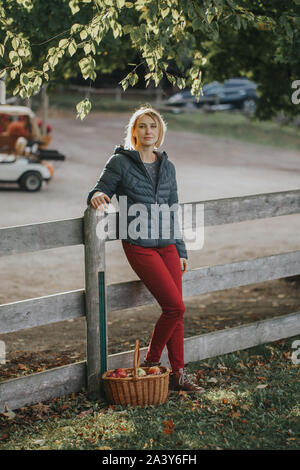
249, 106
31, 181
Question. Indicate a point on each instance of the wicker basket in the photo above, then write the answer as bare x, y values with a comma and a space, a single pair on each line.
143, 390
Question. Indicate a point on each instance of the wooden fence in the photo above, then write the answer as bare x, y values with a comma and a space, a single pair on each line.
97, 298
118, 93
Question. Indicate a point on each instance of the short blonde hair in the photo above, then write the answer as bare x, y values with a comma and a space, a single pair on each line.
130, 140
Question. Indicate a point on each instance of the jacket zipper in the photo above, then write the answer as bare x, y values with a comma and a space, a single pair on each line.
158, 177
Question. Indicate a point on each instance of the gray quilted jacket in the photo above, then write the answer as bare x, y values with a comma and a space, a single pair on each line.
124, 174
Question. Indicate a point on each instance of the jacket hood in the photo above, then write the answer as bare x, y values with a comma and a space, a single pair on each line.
135, 154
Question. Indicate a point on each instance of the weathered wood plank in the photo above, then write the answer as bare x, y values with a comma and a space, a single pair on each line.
226, 210
25, 314
54, 234
257, 206
42, 236
64, 306
241, 337
241, 273
210, 278
42, 386
128, 294
94, 250
224, 341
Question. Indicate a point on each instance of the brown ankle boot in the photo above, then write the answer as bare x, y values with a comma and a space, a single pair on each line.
180, 381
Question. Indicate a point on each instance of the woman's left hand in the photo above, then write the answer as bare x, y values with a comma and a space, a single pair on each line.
183, 263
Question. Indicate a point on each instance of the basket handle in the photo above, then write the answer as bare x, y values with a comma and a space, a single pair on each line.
136, 358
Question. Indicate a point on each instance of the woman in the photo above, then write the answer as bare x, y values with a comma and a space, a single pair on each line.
148, 180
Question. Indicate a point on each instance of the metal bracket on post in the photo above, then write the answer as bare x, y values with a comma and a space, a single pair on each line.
103, 326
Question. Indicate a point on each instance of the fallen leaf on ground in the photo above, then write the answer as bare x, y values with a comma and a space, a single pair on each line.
9, 413
212, 379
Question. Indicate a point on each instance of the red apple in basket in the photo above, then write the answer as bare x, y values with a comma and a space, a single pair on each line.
111, 374
155, 370
120, 373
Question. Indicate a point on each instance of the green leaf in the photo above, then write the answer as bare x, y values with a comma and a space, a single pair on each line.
63, 43
180, 82
53, 61
83, 35
73, 4
87, 48
165, 12
124, 84
13, 56
83, 108
196, 88
194, 71
134, 78
16, 90
76, 27
175, 15
120, 3
1, 50
24, 80
13, 74
171, 79
15, 43
51, 51
87, 66
22, 52
72, 48
23, 93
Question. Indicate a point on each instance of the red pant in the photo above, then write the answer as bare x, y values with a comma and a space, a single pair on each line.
160, 270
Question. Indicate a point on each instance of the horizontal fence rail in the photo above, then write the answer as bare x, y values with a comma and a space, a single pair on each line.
40, 311
35, 388
257, 206
242, 337
59, 307
204, 346
43, 236
227, 210
210, 278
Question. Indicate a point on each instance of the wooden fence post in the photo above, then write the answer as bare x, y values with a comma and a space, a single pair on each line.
95, 292
159, 95
118, 94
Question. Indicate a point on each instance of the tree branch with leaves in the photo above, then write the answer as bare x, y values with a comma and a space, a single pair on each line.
39, 40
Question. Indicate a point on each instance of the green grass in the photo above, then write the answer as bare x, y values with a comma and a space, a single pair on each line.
237, 126
251, 402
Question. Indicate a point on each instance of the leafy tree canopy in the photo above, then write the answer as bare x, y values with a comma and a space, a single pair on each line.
41, 41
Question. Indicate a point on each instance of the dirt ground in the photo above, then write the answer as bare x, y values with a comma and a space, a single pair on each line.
207, 168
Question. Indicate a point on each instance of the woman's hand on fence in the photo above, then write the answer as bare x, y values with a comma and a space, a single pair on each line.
98, 201
183, 263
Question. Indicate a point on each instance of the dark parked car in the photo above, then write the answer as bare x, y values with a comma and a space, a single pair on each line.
239, 93
185, 97
235, 93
